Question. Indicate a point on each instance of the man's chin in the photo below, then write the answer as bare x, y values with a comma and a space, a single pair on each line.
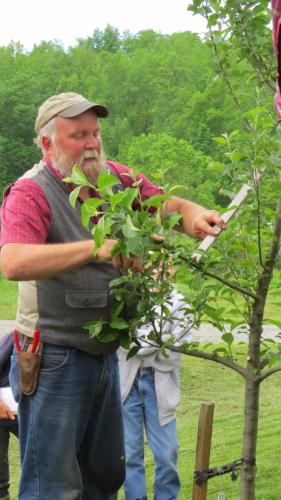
92, 169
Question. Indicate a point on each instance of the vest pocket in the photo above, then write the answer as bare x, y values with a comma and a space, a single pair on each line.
86, 299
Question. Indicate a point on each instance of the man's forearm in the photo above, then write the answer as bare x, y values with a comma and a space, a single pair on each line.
188, 210
21, 262
197, 221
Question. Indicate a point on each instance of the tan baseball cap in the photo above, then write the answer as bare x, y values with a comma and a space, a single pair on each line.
67, 105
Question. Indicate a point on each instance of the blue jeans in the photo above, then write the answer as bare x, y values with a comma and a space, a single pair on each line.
140, 411
71, 432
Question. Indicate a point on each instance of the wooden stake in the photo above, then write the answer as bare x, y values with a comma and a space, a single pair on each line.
203, 448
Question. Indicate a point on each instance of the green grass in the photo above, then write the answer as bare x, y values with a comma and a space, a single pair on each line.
203, 381
9, 295
14, 463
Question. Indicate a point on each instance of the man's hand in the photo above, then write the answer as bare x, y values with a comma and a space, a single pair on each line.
196, 221
118, 261
6, 412
208, 222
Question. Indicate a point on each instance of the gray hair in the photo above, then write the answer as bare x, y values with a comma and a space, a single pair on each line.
48, 130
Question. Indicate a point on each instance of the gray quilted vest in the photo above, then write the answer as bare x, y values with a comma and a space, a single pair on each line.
72, 298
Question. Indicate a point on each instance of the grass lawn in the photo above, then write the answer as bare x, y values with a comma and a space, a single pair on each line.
203, 381
9, 295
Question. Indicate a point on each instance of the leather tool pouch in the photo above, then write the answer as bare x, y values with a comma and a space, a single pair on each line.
29, 364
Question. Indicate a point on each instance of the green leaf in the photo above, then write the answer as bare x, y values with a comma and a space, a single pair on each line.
128, 228
106, 180
215, 166
234, 133
73, 196
172, 220
115, 199
85, 218
130, 195
253, 114
156, 201
220, 140
91, 204
235, 155
116, 249
274, 359
116, 309
135, 246
132, 352
108, 222
94, 327
177, 189
212, 20
228, 338
78, 177
109, 336
89, 209
98, 236
119, 324
125, 341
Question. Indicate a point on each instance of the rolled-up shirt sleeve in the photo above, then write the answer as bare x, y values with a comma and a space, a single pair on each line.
25, 214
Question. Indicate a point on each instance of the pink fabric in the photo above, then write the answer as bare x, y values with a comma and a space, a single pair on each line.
26, 216
276, 19
276, 13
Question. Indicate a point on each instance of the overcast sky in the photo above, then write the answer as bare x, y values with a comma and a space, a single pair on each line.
30, 21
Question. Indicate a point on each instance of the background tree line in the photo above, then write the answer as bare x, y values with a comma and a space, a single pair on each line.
165, 99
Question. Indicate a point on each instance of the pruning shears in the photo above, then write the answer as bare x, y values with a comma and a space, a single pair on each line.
228, 214
34, 344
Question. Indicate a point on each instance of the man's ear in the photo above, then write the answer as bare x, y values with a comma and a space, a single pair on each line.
46, 143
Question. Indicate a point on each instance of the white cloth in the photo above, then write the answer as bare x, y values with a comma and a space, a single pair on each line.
167, 382
6, 395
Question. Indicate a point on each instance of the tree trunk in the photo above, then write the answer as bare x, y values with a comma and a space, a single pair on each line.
251, 416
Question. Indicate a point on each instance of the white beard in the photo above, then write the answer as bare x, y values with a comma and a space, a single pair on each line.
91, 169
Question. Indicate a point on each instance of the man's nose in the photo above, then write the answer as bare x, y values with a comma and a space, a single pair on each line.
92, 143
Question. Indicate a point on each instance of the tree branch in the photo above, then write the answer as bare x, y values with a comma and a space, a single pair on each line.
239, 288
269, 372
210, 357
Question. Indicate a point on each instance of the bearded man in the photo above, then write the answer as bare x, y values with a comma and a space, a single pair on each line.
71, 433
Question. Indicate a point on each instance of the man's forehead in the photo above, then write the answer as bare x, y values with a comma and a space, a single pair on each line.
88, 119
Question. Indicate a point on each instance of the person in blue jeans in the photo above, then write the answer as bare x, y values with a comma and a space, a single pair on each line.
71, 431
8, 417
150, 391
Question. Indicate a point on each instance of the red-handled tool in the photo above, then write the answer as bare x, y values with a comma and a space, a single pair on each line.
17, 341
34, 344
